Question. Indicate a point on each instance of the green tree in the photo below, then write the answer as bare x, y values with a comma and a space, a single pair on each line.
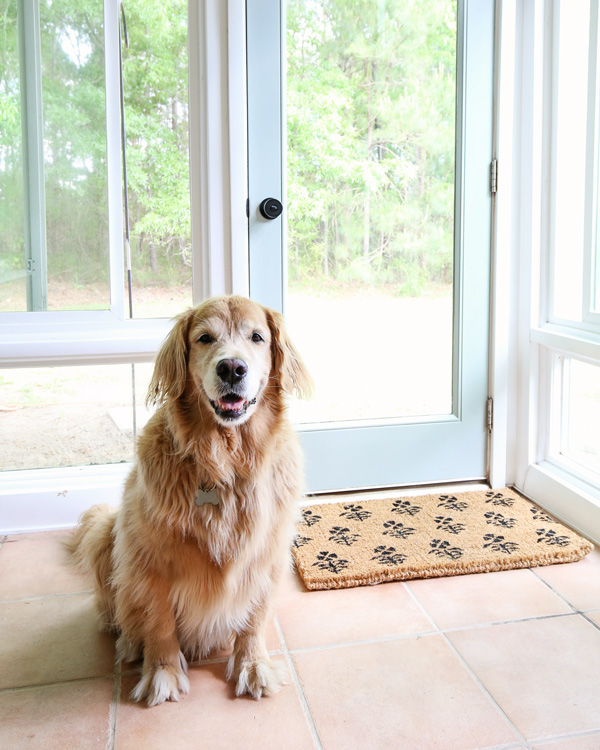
371, 110
156, 98
74, 126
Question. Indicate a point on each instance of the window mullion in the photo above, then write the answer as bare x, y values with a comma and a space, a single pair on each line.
113, 157
33, 154
591, 177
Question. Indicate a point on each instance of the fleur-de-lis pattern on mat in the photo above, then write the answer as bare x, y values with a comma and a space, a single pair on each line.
397, 529
355, 512
343, 535
355, 543
388, 555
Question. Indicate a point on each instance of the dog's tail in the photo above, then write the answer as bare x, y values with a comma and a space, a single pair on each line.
90, 547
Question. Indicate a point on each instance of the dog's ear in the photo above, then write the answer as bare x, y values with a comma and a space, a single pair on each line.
287, 363
170, 368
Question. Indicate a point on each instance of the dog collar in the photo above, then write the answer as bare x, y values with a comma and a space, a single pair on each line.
207, 496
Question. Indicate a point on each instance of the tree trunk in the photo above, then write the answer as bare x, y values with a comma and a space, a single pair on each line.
153, 258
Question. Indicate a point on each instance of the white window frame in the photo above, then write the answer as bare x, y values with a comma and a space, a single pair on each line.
591, 259
53, 498
49, 338
534, 462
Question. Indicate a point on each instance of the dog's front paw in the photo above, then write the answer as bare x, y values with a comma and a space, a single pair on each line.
257, 678
162, 683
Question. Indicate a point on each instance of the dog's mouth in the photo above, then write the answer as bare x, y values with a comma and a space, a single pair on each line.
231, 406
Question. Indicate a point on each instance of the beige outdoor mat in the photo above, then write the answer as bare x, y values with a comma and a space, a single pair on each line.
346, 544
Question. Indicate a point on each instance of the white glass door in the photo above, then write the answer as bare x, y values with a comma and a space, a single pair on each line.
371, 123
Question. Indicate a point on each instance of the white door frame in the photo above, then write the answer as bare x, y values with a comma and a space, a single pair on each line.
392, 452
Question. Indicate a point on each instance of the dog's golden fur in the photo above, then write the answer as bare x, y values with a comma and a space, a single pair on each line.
172, 576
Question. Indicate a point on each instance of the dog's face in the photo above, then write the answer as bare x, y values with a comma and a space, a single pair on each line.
230, 358
228, 351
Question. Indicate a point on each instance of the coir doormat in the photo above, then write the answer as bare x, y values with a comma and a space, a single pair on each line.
346, 544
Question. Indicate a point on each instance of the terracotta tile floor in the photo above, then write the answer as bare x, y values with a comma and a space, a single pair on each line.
498, 660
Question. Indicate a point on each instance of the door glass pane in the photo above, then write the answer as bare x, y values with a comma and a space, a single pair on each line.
371, 92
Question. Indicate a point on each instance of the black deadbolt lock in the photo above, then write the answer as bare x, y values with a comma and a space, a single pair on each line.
270, 208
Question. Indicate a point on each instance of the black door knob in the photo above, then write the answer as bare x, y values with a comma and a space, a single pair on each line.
270, 208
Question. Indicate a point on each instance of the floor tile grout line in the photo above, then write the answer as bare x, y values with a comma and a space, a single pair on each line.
565, 737
424, 633
73, 681
486, 692
554, 591
422, 607
364, 642
591, 622
582, 612
47, 596
481, 625
472, 674
299, 689
497, 623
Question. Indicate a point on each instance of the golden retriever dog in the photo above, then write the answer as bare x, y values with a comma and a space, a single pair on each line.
190, 560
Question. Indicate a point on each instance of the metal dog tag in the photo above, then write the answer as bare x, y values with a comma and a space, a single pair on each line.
207, 496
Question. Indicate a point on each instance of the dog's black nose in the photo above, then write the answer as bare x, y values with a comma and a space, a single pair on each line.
232, 370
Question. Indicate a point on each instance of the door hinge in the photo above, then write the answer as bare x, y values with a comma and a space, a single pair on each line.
490, 415
494, 177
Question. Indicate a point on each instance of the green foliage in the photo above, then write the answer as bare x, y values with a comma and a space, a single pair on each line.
156, 120
74, 126
371, 133
371, 118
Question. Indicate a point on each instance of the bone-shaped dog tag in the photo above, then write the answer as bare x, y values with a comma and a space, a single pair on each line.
207, 496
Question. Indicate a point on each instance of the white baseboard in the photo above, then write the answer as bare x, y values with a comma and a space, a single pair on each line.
47, 499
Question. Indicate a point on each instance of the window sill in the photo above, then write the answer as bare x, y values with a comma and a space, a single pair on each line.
567, 497
77, 339
46, 499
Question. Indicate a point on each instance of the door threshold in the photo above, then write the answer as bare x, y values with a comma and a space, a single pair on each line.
376, 493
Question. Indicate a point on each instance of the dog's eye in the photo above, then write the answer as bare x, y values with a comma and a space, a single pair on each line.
256, 337
206, 338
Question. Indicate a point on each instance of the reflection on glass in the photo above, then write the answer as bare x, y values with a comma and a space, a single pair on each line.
371, 139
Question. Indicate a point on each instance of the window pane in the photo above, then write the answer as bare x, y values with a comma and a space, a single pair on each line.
581, 416
155, 70
69, 416
371, 109
569, 179
74, 113
13, 294
72, 108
